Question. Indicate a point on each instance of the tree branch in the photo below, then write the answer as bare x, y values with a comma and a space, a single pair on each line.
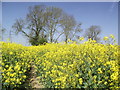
58, 37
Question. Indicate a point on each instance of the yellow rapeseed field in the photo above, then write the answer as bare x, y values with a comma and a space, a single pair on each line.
71, 65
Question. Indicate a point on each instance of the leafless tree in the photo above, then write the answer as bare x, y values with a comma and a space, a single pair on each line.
42, 23
93, 32
70, 26
2, 31
54, 16
33, 26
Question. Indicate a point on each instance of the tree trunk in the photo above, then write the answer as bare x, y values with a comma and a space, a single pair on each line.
51, 36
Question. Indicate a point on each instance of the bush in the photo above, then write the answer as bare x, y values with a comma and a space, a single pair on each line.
37, 42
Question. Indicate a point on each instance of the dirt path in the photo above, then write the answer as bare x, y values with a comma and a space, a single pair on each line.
33, 81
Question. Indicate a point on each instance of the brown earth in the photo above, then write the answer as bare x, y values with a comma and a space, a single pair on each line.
34, 81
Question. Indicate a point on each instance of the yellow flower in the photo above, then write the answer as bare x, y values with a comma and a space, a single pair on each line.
24, 70
18, 80
95, 77
13, 83
69, 40
6, 66
3, 64
112, 36
99, 70
99, 82
11, 53
114, 76
105, 38
80, 81
17, 67
105, 83
24, 76
7, 81
8, 73
81, 38
77, 75
20, 72
11, 75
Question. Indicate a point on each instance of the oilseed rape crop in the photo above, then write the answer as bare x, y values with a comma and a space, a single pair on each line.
71, 65
15, 62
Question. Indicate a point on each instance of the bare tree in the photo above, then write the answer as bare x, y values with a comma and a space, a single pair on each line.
76, 32
70, 27
93, 33
2, 31
33, 26
54, 16
42, 23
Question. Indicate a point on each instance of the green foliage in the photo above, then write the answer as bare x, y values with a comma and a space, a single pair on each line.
40, 41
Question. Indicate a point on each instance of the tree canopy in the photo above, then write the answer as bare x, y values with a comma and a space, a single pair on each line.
42, 22
47, 24
93, 32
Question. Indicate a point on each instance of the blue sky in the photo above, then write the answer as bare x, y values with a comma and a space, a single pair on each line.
104, 14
